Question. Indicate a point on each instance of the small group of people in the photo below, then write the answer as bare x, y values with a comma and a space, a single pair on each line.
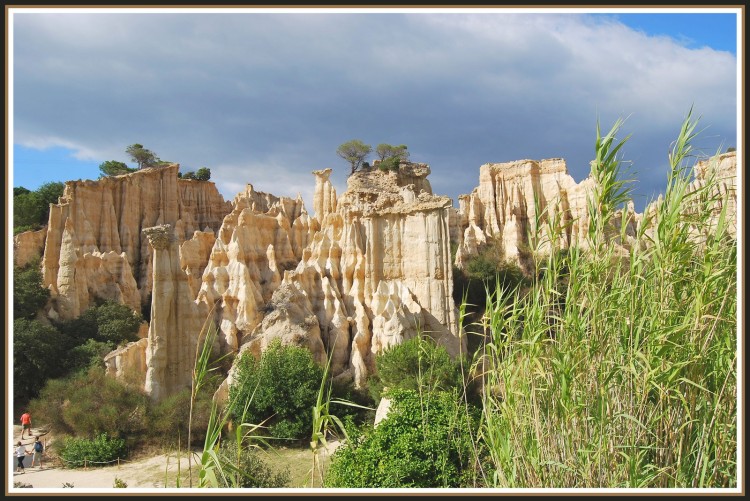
21, 452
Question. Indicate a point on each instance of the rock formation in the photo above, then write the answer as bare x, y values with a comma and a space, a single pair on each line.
379, 269
176, 319
371, 269
94, 248
28, 246
513, 198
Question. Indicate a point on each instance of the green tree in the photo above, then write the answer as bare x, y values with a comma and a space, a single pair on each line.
384, 151
31, 208
27, 211
281, 387
37, 349
143, 157
355, 152
203, 174
110, 322
29, 295
189, 175
114, 168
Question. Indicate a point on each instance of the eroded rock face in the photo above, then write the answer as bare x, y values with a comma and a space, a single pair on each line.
505, 205
261, 238
28, 246
176, 319
379, 269
94, 247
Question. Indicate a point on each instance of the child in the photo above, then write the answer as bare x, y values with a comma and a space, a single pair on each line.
38, 449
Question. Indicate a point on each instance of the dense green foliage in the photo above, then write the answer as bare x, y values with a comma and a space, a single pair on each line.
391, 156
29, 296
42, 351
188, 175
425, 441
31, 208
416, 364
355, 152
203, 174
279, 390
99, 451
114, 168
37, 350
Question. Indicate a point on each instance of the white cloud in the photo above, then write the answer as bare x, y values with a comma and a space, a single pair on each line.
249, 95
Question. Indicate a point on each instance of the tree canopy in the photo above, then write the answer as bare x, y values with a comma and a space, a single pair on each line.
203, 174
114, 168
31, 208
385, 151
355, 152
143, 157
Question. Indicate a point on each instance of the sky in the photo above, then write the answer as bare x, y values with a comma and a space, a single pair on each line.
267, 97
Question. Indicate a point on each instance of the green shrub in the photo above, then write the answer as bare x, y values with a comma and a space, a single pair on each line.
99, 451
246, 469
29, 295
423, 442
417, 363
203, 174
168, 419
189, 175
90, 403
282, 387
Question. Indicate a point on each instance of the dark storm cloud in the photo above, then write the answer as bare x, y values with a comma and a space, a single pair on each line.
266, 98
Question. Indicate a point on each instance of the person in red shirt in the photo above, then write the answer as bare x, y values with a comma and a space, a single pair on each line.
26, 423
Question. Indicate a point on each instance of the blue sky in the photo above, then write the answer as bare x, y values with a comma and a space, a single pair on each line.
266, 98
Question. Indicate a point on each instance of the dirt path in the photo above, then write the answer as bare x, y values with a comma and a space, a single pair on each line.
150, 473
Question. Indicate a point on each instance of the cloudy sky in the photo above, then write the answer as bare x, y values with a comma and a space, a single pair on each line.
265, 98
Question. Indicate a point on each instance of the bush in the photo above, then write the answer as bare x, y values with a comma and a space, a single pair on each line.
423, 442
417, 363
168, 419
29, 295
189, 175
31, 208
283, 386
248, 470
90, 403
203, 174
77, 452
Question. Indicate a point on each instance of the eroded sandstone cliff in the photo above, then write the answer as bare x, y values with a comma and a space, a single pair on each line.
94, 247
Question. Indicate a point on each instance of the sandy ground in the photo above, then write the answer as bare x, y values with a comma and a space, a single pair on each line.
148, 474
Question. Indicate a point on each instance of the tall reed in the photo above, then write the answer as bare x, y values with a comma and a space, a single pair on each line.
618, 368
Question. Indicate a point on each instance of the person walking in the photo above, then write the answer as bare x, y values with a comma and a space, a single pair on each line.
38, 450
20, 455
26, 423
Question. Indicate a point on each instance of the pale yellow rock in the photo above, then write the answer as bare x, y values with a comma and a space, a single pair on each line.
379, 269
105, 218
513, 198
128, 362
176, 319
261, 238
324, 198
28, 246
